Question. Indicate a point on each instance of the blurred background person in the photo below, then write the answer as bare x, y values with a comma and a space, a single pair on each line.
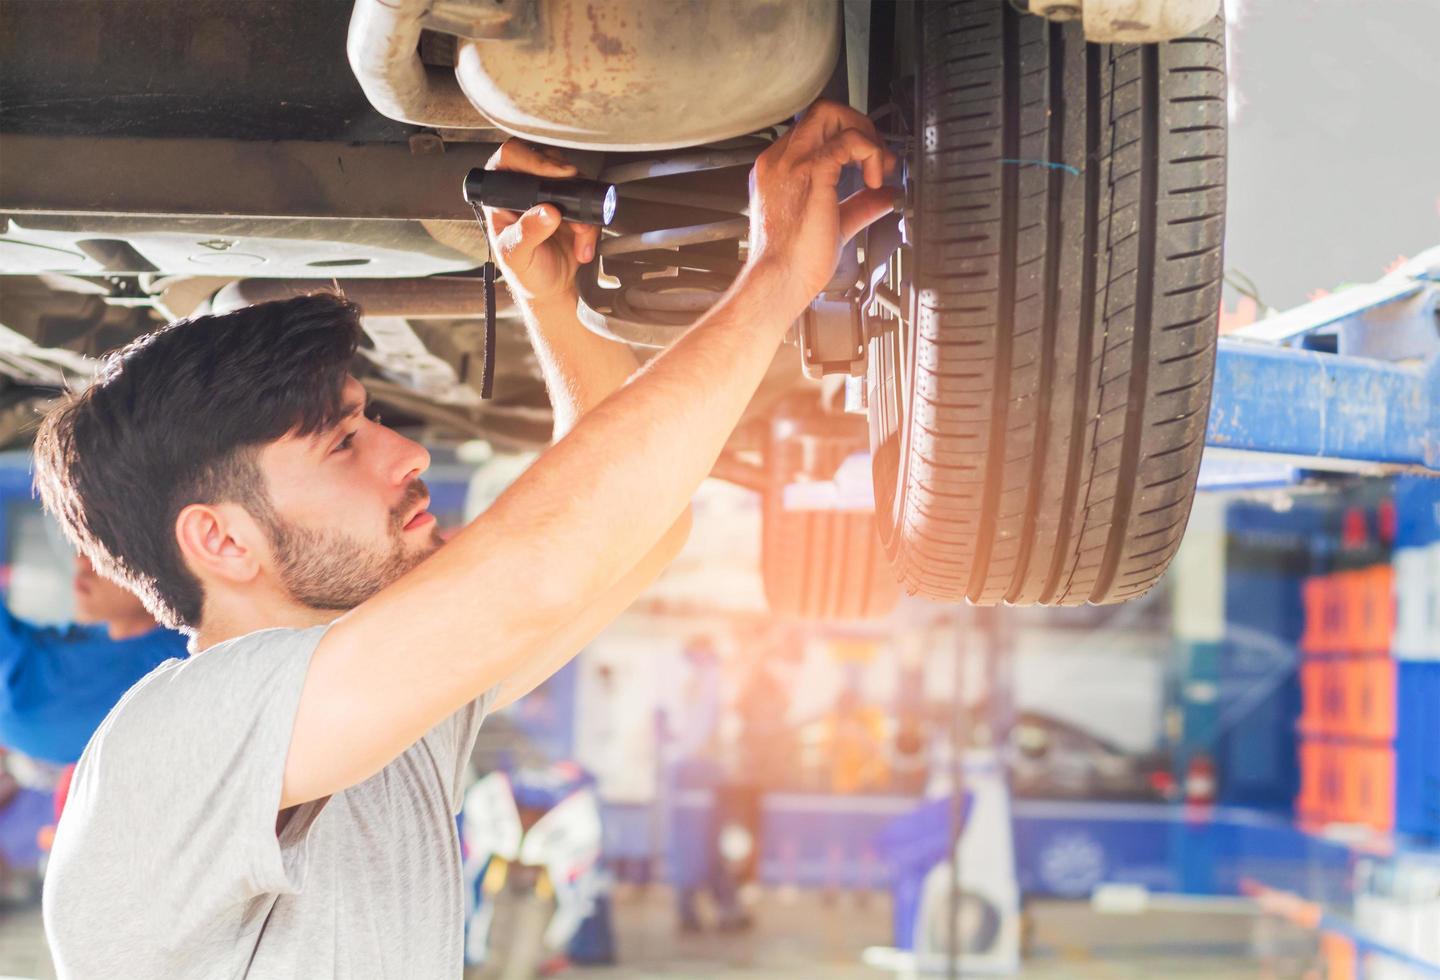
57, 683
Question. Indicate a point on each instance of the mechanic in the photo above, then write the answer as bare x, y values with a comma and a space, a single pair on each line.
58, 683
282, 803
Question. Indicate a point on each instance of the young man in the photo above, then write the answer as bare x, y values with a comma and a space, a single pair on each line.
58, 683
281, 803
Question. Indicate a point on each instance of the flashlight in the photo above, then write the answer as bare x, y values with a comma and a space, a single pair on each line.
588, 202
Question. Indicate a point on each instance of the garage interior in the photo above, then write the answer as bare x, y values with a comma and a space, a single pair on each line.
1074, 744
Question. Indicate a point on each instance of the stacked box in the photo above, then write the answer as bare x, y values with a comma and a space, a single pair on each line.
1370, 688
1349, 692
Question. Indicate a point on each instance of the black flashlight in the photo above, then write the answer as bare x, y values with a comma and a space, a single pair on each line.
588, 202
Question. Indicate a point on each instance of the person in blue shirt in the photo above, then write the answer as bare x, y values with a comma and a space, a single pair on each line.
58, 683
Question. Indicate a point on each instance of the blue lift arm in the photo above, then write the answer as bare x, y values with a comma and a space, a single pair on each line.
1336, 411
1301, 402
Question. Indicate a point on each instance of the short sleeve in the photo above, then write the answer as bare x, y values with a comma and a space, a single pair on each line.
19, 644
451, 742
16, 637
176, 799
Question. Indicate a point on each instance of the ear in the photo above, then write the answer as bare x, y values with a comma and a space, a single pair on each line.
219, 541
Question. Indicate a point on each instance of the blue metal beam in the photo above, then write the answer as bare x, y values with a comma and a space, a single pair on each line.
1327, 406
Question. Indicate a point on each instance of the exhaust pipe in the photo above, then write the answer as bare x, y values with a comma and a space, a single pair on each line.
439, 298
384, 51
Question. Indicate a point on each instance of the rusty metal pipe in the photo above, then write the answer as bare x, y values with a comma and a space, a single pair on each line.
713, 158
383, 48
641, 75
686, 198
414, 298
716, 231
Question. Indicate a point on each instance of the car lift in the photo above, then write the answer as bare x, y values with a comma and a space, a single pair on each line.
1346, 383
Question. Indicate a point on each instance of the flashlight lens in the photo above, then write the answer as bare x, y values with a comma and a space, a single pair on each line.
607, 210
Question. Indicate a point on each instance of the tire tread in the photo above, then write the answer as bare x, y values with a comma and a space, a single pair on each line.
1065, 326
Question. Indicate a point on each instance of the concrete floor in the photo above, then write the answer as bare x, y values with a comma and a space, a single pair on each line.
23, 952
803, 936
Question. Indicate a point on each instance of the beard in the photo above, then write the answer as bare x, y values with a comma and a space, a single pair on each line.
334, 571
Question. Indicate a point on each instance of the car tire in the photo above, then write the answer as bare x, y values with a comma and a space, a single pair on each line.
1037, 424
820, 564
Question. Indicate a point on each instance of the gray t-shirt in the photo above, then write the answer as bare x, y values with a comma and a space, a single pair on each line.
168, 862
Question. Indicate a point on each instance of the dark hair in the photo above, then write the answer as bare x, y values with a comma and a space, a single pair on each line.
177, 418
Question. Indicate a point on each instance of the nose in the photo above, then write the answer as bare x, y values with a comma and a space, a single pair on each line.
406, 458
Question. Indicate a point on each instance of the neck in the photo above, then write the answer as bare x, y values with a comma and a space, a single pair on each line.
128, 627
220, 624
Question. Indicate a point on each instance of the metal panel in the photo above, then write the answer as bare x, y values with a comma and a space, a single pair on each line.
1309, 404
257, 69
219, 177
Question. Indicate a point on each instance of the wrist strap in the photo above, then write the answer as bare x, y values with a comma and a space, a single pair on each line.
487, 371
487, 277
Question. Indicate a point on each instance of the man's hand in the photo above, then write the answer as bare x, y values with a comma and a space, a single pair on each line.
797, 222
536, 250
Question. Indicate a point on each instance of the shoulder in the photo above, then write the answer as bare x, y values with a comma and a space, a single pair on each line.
244, 662
204, 690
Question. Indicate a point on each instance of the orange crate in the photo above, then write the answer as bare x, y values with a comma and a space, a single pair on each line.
1349, 682
1372, 698
1321, 613
1334, 698
1313, 675
1367, 781
1352, 601
1330, 780
1372, 616
1346, 785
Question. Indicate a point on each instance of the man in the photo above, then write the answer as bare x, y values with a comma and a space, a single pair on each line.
57, 684
281, 804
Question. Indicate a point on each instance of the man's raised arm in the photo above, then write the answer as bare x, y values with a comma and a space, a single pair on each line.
578, 522
541, 255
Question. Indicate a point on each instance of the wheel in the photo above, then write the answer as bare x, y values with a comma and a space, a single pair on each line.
977, 921
820, 564
1037, 418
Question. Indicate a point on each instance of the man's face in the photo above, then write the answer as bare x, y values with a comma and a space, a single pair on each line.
99, 600
349, 509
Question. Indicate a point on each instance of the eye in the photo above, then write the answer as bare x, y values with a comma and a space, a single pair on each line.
346, 443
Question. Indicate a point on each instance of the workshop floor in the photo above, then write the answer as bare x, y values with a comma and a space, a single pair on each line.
23, 953
805, 937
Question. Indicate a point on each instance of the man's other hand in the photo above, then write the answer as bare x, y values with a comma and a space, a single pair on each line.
537, 252
797, 221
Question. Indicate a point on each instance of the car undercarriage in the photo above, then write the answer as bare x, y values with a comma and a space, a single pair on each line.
1024, 348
